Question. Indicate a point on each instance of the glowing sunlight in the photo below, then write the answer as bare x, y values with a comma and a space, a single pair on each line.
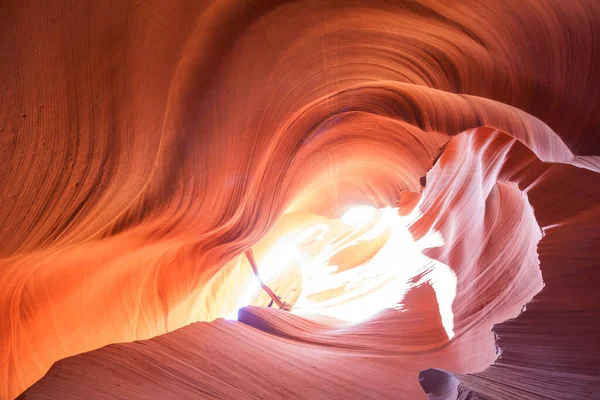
356, 266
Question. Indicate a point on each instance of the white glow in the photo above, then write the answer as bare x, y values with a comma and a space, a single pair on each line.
282, 253
370, 287
443, 281
362, 290
359, 215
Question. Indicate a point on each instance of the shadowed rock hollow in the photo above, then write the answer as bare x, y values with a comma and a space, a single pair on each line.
419, 179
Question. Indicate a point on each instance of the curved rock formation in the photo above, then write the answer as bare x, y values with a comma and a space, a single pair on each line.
146, 145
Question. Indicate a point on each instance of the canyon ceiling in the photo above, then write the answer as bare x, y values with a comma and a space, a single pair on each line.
419, 180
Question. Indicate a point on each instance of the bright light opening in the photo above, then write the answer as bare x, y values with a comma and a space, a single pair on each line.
356, 266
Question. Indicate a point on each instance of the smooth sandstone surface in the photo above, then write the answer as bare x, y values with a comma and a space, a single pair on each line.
145, 145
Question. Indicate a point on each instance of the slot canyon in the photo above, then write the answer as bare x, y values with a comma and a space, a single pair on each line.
300, 199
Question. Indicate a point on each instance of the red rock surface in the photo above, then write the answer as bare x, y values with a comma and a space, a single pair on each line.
145, 145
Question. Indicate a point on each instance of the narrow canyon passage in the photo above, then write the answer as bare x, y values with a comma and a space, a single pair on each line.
417, 180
